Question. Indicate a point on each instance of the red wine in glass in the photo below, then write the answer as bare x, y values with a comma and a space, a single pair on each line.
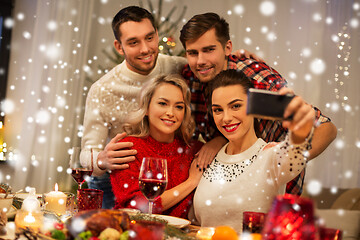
152, 188
153, 178
80, 174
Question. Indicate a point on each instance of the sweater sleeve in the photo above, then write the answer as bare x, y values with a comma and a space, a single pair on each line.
95, 130
288, 159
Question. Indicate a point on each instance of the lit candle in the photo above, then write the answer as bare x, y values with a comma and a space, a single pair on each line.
56, 201
25, 219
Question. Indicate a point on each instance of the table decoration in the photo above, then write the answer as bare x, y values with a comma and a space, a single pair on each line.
6, 202
290, 217
205, 233
30, 215
27, 219
91, 223
146, 230
55, 201
88, 199
253, 222
330, 233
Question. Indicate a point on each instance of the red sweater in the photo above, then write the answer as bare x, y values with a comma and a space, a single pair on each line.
125, 182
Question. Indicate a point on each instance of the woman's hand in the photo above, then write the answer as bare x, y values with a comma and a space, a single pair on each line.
208, 152
303, 116
243, 53
194, 172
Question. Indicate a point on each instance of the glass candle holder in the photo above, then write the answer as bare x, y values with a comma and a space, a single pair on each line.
330, 233
147, 230
253, 222
291, 217
31, 220
88, 199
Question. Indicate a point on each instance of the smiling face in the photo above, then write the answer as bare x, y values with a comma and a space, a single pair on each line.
206, 55
139, 45
229, 113
166, 112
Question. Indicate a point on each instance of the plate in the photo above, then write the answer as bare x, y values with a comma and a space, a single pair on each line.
174, 221
11, 213
130, 211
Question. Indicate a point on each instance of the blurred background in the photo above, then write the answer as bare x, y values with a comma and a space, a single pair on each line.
52, 51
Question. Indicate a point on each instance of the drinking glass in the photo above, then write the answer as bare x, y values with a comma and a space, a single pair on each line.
153, 178
290, 217
253, 222
79, 172
330, 233
88, 199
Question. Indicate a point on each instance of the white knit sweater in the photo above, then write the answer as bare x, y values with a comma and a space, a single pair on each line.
245, 182
112, 97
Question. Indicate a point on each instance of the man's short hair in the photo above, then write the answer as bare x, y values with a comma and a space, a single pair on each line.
131, 13
201, 23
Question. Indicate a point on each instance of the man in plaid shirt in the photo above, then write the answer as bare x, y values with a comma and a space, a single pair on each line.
206, 40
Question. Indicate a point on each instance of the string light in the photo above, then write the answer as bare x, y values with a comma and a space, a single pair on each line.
342, 74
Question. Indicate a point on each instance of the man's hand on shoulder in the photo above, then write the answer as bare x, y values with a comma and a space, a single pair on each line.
116, 155
243, 53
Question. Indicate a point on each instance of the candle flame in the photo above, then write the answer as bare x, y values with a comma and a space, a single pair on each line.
29, 218
56, 187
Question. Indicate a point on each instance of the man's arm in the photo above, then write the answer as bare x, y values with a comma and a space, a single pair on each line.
106, 156
324, 134
95, 131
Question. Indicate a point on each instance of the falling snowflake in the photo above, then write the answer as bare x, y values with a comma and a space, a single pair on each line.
7, 106
271, 36
354, 23
247, 41
339, 144
52, 25
306, 52
20, 16
314, 187
9, 23
42, 117
317, 66
317, 17
267, 8
239, 9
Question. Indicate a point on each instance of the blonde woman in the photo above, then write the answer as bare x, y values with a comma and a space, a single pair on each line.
162, 127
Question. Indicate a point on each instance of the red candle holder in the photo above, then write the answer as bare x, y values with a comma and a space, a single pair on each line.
291, 217
253, 222
330, 233
147, 230
88, 199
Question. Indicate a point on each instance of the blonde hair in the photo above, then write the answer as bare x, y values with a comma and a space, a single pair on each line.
138, 123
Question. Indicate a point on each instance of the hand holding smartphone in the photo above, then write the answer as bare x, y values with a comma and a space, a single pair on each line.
266, 104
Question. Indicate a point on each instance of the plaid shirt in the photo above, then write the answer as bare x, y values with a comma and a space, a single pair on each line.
263, 77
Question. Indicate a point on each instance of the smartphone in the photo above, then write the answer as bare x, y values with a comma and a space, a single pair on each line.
266, 104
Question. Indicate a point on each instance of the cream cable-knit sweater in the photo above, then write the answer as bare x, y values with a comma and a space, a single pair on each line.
245, 182
111, 98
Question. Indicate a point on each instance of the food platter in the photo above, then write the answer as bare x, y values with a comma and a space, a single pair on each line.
126, 218
173, 221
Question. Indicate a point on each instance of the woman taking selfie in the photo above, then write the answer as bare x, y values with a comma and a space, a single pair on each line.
247, 173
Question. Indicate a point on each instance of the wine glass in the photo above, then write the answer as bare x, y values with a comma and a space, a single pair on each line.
153, 178
79, 172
